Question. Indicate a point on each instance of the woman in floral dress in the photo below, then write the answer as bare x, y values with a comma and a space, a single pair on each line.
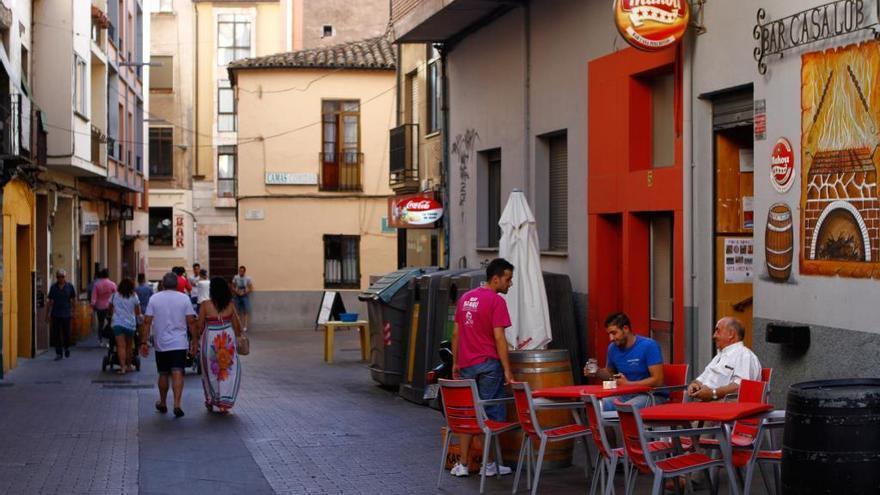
220, 327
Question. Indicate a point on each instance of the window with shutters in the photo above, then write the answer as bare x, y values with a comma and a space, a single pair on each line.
551, 191
558, 192
433, 99
161, 160
489, 184
342, 262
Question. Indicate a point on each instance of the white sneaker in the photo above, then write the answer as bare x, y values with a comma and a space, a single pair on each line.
492, 469
459, 470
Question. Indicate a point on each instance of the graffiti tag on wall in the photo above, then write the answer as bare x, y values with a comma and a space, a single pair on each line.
463, 149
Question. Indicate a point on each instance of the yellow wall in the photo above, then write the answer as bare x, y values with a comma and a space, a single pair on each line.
284, 251
18, 211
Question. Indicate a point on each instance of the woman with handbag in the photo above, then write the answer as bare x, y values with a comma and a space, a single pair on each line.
220, 331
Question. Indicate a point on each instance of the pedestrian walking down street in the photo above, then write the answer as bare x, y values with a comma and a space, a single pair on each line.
219, 328
125, 311
144, 292
243, 286
169, 316
102, 290
59, 313
193, 282
202, 288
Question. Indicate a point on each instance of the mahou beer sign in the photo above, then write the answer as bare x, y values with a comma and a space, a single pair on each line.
651, 25
414, 211
782, 166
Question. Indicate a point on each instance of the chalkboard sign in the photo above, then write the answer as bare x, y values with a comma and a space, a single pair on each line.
331, 307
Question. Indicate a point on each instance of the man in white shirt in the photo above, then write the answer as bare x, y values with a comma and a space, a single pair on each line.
169, 316
733, 363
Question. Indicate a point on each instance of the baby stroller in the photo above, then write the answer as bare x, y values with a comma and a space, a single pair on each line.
112, 358
193, 360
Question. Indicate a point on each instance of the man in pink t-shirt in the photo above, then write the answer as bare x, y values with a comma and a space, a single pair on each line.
479, 348
102, 290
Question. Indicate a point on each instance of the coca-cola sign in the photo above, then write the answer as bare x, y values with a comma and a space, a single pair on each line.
420, 211
782, 165
651, 25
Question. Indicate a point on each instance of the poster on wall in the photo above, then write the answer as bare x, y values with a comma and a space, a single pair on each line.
840, 114
738, 255
760, 120
748, 211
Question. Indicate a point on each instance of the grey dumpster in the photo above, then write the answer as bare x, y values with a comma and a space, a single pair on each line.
388, 301
419, 352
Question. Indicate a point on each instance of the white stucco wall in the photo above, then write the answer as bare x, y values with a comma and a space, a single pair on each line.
723, 60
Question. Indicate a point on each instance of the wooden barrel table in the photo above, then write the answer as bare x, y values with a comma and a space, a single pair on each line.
779, 242
831, 442
540, 369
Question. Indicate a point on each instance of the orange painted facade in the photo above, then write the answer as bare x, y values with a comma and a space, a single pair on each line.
625, 190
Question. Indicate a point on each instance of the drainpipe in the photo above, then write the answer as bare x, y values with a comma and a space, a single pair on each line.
444, 167
196, 90
527, 110
691, 323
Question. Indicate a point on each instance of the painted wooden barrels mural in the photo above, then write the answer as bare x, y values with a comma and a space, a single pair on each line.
779, 242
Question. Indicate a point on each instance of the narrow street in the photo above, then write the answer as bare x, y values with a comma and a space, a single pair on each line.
299, 426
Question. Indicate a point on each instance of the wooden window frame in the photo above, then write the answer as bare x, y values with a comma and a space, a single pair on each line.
339, 150
170, 148
341, 239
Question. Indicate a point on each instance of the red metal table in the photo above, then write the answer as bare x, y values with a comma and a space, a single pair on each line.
574, 392
725, 413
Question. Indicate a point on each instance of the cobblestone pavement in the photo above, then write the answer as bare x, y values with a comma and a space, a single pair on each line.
300, 426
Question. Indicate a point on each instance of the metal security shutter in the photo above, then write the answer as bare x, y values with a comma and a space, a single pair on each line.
732, 111
558, 182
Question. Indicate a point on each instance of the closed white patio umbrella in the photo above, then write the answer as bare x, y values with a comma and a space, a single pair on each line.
527, 299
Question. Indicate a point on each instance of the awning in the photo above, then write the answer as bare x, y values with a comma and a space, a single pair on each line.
446, 20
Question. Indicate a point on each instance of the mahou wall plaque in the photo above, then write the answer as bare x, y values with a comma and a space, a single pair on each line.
782, 165
651, 25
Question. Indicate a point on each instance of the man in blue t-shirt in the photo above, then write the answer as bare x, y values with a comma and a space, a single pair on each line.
632, 360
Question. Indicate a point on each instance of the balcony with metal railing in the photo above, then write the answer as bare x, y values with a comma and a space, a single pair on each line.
341, 171
22, 134
404, 158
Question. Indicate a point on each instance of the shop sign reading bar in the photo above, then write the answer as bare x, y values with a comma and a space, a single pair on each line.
820, 23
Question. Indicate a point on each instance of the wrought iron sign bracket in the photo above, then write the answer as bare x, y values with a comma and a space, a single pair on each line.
820, 23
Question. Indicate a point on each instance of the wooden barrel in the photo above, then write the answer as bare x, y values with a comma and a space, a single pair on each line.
540, 369
831, 442
82, 321
779, 242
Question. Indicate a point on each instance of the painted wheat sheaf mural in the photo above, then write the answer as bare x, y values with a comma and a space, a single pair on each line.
840, 134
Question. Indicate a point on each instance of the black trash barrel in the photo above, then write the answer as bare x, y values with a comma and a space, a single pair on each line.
831, 443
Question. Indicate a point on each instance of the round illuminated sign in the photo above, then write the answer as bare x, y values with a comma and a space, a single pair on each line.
651, 25
782, 165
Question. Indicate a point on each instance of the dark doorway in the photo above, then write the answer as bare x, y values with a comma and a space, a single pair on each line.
42, 276
222, 257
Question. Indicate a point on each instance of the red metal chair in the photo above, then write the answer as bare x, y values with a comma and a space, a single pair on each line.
760, 457
767, 377
465, 416
532, 430
609, 457
675, 382
636, 442
744, 431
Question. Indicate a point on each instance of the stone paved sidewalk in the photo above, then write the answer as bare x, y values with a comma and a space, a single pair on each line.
300, 426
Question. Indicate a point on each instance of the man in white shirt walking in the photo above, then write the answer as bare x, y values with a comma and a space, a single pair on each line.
169, 316
733, 363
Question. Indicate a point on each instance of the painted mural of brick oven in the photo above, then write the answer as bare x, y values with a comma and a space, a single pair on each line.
842, 212
840, 155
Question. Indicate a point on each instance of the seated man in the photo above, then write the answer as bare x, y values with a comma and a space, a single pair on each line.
632, 360
733, 363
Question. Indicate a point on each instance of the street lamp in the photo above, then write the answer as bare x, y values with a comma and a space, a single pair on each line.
195, 231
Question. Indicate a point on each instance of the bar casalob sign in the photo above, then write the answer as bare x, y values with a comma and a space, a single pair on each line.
651, 25
819, 23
